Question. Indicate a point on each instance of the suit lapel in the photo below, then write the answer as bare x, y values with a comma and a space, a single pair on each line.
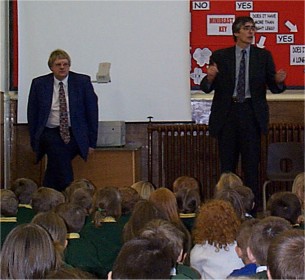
253, 64
72, 94
232, 65
49, 91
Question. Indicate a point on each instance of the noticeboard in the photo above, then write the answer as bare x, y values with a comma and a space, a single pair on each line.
280, 30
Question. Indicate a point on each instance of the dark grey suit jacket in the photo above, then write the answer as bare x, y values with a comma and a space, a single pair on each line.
261, 76
82, 105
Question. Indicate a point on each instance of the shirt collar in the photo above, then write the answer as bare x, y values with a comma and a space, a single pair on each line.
8, 219
247, 215
261, 268
239, 49
187, 215
65, 81
73, 235
29, 206
173, 272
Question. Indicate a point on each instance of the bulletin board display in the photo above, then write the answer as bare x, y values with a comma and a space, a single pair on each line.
280, 30
13, 46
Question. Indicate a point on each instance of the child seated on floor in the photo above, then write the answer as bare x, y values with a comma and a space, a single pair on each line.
186, 182
298, 187
214, 236
228, 180
9, 208
56, 227
234, 198
188, 202
24, 189
286, 256
45, 199
286, 205
143, 212
187, 192
129, 198
247, 199
28, 253
174, 239
242, 243
143, 188
105, 231
262, 234
142, 258
84, 198
79, 252
79, 184
165, 201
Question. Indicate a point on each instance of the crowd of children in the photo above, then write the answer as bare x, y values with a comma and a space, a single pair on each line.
143, 232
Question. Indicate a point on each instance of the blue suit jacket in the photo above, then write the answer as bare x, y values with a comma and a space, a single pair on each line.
261, 76
83, 108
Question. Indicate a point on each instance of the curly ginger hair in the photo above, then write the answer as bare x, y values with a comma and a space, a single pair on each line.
217, 224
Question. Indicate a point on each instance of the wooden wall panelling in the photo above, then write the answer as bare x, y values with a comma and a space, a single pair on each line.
119, 167
23, 159
286, 111
2, 139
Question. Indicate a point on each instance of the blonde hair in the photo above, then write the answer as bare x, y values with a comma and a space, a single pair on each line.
144, 188
298, 187
228, 179
58, 54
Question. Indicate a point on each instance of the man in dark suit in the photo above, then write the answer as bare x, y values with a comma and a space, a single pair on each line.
239, 112
62, 118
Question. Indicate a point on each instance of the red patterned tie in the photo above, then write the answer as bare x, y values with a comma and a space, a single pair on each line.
63, 115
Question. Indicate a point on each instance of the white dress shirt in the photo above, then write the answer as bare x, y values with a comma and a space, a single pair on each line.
53, 120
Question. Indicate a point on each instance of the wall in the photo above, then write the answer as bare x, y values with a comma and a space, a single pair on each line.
3, 46
280, 30
136, 133
1, 139
147, 43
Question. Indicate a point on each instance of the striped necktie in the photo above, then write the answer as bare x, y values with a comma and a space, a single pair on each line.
241, 84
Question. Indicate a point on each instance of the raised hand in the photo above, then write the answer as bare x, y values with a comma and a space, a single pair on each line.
280, 76
212, 72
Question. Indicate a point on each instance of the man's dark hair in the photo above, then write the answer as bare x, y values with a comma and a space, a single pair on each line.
239, 23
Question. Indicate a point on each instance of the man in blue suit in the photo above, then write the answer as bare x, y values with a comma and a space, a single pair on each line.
45, 121
239, 112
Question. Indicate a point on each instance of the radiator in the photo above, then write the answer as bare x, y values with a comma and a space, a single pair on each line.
187, 149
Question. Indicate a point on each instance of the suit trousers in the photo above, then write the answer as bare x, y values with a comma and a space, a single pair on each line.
240, 137
59, 171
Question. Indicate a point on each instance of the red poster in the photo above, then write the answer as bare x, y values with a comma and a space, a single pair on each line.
13, 45
281, 30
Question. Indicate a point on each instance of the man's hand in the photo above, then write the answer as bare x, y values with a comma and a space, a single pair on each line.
212, 72
280, 76
91, 150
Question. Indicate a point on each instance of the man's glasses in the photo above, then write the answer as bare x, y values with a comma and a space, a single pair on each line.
65, 64
249, 27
